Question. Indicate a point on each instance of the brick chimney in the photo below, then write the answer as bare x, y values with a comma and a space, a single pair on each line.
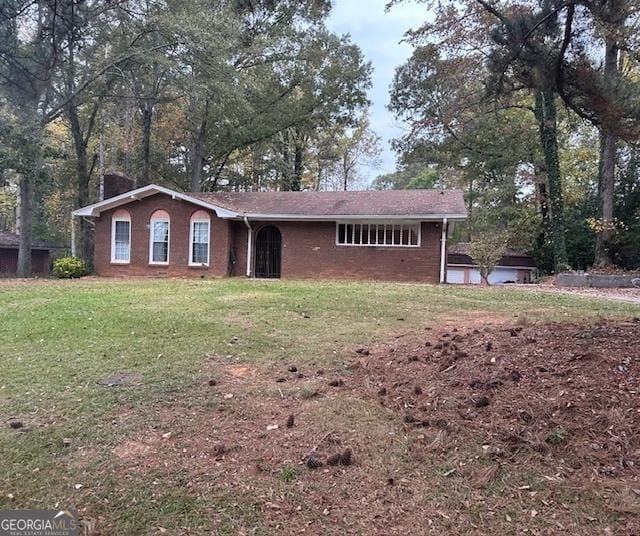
116, 184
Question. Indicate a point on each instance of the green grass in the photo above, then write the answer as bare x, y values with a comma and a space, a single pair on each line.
59, 339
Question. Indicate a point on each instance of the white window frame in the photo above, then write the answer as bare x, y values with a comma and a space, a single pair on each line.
191, 228
113, 241
379, 233
152, 222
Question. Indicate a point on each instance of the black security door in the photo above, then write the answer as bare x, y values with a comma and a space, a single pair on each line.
268, 246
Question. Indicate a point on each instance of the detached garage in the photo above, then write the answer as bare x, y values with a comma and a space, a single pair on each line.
9, 255
513, 267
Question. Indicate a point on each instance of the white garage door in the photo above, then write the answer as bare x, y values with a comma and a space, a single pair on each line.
455, 275
503, 275
497, 277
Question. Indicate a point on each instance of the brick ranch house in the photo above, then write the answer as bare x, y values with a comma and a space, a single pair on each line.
386, 235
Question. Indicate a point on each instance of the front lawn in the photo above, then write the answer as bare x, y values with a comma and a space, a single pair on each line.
77, 444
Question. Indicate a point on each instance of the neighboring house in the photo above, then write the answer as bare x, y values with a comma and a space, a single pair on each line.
391, 235
9, 255
513, 267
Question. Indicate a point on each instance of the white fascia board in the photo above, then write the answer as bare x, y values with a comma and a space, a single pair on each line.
453, 265
356, 217
146, 191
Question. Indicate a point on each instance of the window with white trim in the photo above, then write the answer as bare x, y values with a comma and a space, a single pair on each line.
121, 238
159, 238
395, 234
199, 249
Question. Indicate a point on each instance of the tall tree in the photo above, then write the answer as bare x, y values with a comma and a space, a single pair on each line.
30, 48
35, 40
547, 46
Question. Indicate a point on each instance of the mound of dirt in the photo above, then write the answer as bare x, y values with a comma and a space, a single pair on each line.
567, 394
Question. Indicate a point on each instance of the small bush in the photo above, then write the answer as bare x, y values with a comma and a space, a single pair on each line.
557, 436
288, 473
69, 268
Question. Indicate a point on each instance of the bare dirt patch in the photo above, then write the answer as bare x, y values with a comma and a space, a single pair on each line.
133, 450
484, 429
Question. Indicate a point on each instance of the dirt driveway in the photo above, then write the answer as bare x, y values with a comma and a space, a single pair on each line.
628, 295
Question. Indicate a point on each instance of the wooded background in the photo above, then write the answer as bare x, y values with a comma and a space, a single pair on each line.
531, 107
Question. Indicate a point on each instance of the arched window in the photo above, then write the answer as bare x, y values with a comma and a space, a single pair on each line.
199, 238
121, 237
159, 232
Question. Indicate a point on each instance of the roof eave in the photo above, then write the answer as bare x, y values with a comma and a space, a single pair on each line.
343, 217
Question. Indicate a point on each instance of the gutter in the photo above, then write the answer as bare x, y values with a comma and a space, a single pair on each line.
354, 217
249, 245
443, 251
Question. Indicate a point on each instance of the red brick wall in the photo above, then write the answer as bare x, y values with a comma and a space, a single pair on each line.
9, 262
180, 214
308, 248
309, 251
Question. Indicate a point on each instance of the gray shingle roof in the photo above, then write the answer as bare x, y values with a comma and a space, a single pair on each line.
12, 240
461, 254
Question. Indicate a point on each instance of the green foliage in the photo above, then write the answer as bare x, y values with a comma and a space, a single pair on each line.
69, 268
7, 208
467, 94
410, 177
486, 249
288, 473
625, 244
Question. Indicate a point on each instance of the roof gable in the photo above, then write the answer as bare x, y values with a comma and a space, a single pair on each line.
146, 191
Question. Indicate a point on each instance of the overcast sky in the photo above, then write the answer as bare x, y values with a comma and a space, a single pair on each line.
378, 33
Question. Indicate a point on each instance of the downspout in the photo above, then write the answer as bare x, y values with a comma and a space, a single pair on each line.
249, 245
73, 236
443, 252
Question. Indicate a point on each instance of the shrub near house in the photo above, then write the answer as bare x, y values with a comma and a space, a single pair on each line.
69, 268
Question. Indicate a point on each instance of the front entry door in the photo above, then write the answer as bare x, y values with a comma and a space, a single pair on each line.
268, 252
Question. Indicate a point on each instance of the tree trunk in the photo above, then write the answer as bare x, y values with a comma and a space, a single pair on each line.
286, 163
197, 157
86, 231
147, 116
298, 163
83, 176
549, 137
607, 175
544, 237
470, 201
542, 194
26, 221
318, 174
197, 151
484, 277
218, 174
345, 170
